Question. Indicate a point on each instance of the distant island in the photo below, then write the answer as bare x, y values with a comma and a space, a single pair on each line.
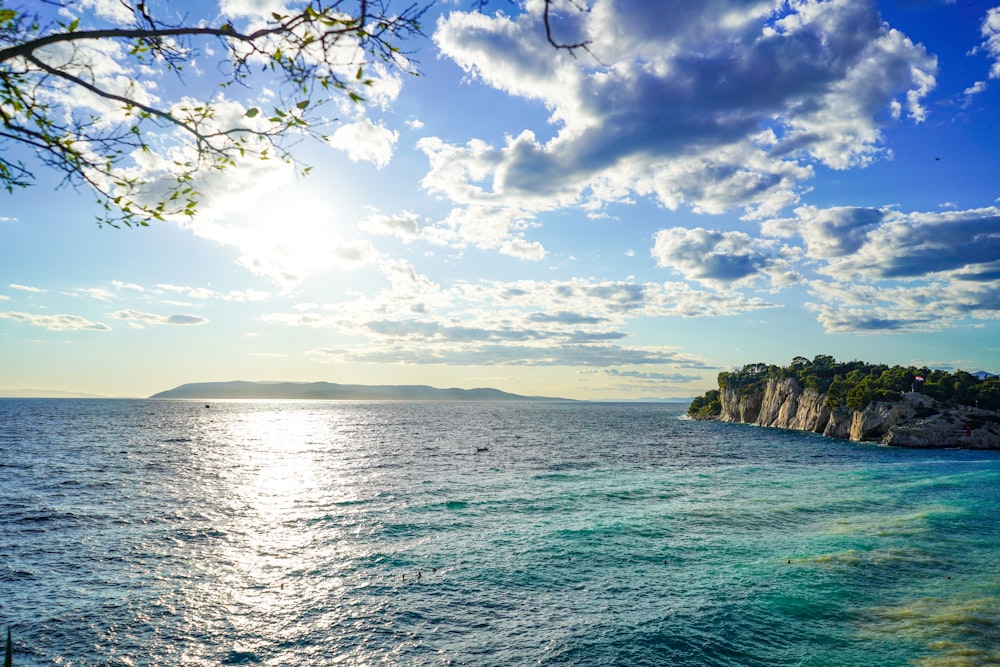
332, 391
860, 401
44, 393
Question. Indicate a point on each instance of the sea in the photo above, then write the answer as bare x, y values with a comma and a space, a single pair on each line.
166, 532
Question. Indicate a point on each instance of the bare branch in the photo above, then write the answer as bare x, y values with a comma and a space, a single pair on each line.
572, 48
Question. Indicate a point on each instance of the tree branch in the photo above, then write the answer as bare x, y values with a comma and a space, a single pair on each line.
153, 111
572, 48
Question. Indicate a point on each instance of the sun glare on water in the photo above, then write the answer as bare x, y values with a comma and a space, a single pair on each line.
279, 482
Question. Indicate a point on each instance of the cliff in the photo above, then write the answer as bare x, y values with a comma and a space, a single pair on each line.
915, 420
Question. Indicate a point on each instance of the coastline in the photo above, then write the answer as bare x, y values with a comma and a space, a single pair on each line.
914, 420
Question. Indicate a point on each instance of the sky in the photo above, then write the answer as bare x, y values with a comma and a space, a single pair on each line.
708, 185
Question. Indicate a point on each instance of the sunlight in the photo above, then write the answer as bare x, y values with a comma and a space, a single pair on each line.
284, 234
280, 481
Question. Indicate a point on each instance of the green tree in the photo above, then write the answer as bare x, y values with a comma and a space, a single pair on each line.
856, 384
61, 96
58, 101
706, 406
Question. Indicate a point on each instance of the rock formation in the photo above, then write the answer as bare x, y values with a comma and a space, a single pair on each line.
915, 420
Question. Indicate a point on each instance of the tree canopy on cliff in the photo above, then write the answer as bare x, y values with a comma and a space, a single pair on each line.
856, 384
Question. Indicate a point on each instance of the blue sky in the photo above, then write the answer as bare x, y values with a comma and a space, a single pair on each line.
714, 184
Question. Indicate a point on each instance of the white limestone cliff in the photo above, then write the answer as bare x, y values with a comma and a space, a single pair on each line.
915, 420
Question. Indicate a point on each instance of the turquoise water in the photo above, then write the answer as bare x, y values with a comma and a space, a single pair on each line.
311, 533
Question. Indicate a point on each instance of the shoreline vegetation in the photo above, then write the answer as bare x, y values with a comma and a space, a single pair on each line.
860, 401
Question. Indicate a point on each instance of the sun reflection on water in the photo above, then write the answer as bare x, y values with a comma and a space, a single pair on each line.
287, 469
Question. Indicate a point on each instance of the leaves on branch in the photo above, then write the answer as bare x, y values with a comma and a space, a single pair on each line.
55, 101
49, 80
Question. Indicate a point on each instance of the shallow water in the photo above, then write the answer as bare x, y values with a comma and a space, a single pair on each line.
314, 533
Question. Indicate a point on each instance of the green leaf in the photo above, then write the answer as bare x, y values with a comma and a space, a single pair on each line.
73, 26
303, 104
251, 112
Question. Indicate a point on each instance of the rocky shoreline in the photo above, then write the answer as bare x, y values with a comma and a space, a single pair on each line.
915, 420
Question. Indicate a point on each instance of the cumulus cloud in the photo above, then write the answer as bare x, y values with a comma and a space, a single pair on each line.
868, 269
991, 39
975, 89
714, 104
715, 257
251, 8
831, 232
522, 249
883, 243
111, 10
922, 307
518, 323
365, 141
56, 322
884, 270
405, 225
486, 228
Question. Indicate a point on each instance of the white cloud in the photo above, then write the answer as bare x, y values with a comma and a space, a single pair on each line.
882, 270
98, 293
364, 141
251, 8
415, 320
828, 233
27, 288
102, 63
676, 104
405, 225
205, 293
353, 254
860, 308
56, 322
975, 89
714, 258
111, 10
190, 292
121, 285
892, 245
991, 39
279, 232
487, 228
522, 249
140, 319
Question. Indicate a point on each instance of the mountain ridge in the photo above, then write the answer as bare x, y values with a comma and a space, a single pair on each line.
281, 390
